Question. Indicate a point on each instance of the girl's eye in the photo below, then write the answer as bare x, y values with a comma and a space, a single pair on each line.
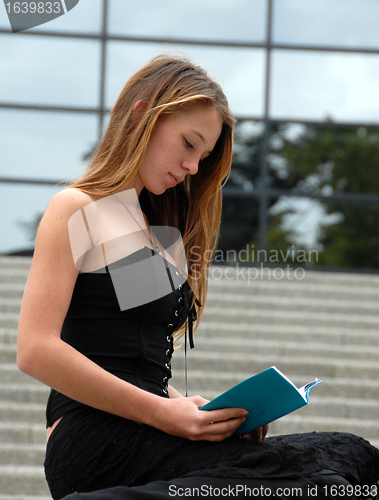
188, 144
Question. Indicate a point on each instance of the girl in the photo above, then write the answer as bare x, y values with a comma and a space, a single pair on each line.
95, 329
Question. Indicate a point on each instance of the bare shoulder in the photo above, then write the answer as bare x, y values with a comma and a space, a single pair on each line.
68, 201
52, 242
62, 206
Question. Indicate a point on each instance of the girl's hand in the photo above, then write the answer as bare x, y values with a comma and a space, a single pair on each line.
257, 435
181, 417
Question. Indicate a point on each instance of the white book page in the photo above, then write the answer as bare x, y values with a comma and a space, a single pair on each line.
303, 391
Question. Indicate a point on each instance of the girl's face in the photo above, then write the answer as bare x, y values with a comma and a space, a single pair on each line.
177, 144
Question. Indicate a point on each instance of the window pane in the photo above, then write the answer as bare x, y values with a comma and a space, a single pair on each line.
240, 71
42, 70
247, 156
234, 20
325, 234
325, 86
20, 205
348, 23
4, 21
85, 17
239, 228
44, 145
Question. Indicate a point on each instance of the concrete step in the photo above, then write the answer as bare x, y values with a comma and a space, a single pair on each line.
309, 367
10, 305
8, 336
12, 290
295, 423
286, 348
293, 316
277, 302
8, 354
233, 279
22, 412
22, 433
21, 454
298, 289
8, 320
17, 263
23, 480
9, 373
23, 393
12, 276
295, 333
25, 497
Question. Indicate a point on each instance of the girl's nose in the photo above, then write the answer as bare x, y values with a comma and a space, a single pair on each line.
191, 166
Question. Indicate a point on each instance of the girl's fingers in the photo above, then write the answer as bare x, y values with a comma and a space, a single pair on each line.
226, 414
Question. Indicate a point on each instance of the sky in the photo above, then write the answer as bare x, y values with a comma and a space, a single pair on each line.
46, 72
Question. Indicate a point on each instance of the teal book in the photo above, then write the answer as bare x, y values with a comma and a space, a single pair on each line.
267, 396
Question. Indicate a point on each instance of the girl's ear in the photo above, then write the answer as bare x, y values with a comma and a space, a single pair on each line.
138, 108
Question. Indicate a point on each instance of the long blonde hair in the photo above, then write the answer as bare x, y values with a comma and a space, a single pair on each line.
168, 84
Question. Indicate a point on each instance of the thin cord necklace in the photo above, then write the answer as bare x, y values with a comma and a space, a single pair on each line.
191, 315
153, 243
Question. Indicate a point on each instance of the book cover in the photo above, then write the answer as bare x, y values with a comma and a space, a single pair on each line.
267, 396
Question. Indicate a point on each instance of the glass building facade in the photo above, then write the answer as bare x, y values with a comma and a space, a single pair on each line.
301, 78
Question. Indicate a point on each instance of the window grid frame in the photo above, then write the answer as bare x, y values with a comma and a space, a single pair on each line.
264, 193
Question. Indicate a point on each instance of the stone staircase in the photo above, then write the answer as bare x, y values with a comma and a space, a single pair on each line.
323, 325
22, 399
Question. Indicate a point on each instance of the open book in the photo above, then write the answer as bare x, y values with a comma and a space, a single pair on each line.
267, 396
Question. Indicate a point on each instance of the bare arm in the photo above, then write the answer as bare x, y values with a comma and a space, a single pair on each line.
43, 355
173, 393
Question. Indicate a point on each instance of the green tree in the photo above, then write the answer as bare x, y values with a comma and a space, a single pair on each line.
335, 161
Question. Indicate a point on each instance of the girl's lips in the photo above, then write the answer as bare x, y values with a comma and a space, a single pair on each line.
175, 180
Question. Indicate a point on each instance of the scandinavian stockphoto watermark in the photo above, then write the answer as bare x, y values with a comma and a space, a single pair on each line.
252, 274
146, 263
111, 235
27, 14
250, 264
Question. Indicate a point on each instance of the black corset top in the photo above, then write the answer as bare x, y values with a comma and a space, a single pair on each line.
135, 344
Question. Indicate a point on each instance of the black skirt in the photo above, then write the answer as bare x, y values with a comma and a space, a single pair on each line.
91, 450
